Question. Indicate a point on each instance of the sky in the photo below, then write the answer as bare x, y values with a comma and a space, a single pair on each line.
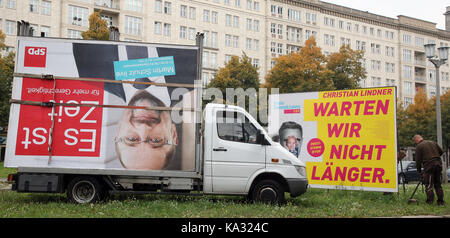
429, 10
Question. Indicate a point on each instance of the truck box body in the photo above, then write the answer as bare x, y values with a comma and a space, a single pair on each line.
101, 137
90, 117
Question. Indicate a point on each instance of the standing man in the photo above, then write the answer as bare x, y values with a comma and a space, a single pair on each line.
428, 154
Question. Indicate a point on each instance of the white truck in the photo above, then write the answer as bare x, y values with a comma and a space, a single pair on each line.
92, 118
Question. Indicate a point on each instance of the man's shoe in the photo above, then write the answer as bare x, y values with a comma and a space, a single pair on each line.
440, 203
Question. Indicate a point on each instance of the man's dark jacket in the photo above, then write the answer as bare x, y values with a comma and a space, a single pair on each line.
429, 154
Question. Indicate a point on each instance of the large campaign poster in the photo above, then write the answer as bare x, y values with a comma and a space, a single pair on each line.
118, 131
346, 138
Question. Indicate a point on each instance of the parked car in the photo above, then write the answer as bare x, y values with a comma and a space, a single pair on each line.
409, 172
448, 174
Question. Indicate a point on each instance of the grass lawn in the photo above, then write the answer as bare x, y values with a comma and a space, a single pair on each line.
315, 203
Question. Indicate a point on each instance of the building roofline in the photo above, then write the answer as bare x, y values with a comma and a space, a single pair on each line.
372, 18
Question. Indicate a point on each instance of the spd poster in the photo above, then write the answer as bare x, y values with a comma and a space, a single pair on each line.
121, 131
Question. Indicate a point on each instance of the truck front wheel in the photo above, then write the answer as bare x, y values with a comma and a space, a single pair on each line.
268, 191
84, 189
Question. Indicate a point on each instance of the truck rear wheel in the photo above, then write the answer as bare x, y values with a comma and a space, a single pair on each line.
268, 191
85, 189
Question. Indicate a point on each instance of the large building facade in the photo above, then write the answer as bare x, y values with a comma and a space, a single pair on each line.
263, 29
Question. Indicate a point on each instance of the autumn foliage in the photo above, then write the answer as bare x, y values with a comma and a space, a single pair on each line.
98, 28
310, 70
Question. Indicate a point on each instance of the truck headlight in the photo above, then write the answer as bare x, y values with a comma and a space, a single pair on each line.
301, 170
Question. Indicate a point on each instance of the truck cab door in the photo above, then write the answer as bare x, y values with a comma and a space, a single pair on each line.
236, 151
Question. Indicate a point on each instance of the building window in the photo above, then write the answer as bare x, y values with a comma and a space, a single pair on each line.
206, 15
256, 47
272, 47
133, 25
133, 5
45, 30
236, 41
280, 48
214, 17
46, 8
407, 72
183, 11
255, 63
34, 6
192, 13
408, 101
74, 34
182, 32
236, 21
167, 29
213, 60
10, 27
158, 27
158, 6
256, 6
228, 40
168, 8
249, 24
191, 34
214, 36
35, 29
248, 44
407, 56
407, 88
256, 25
78, 16
407, 39
227, 20
11, 4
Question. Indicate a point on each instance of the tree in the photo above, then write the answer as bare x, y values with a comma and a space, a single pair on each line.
237, 83
98, 28
301, 71
346, 68
2, 40
236, 73
445, 119
6, 78
416, 119
310, 70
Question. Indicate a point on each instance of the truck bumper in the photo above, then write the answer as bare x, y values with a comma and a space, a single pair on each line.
297, 186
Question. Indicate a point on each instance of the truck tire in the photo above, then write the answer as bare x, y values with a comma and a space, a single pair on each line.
85, 189
268, 191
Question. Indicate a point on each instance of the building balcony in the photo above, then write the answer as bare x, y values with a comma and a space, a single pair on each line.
107, 6
420, 79
422, 63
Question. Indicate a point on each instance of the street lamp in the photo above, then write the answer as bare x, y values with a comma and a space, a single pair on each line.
430, 53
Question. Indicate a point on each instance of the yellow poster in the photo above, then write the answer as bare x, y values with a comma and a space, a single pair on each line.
354, 146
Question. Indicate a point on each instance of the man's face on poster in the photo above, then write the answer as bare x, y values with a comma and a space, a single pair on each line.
290, 138
146, 139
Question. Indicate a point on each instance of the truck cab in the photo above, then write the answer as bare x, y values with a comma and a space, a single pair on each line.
241, 159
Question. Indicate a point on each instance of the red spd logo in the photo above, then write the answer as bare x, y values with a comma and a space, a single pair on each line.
35, 56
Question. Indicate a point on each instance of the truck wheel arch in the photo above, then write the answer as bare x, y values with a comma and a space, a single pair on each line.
268, 176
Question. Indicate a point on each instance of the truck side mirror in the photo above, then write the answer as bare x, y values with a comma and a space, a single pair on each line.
260, 137
276, 138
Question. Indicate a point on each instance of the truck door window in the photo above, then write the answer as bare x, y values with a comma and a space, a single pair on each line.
234, 126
